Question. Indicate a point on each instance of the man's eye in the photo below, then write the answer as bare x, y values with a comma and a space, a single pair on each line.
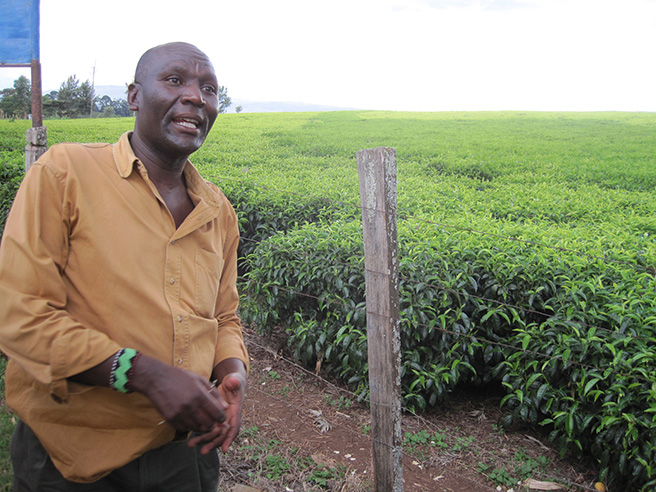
174, 80
210, 89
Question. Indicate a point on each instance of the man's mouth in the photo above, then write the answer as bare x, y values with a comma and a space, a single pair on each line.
187, 123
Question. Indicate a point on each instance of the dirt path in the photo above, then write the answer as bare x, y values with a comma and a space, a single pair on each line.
298, 410
344, 442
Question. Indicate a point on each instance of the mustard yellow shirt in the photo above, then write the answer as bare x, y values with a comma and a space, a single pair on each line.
91, 261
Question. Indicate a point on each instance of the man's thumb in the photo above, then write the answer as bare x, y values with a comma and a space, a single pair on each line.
232, 382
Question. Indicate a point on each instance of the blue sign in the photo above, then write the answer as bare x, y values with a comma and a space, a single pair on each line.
19, 31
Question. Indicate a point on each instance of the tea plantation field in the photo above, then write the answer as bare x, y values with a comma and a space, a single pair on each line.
526, 257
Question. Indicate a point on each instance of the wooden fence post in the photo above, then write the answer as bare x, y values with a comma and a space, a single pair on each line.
37, 144
377, 172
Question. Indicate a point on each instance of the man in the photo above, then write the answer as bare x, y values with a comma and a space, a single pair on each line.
118, 304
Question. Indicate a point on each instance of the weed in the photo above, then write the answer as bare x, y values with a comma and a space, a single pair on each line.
276, 466
274, 375
462, 444
340, 403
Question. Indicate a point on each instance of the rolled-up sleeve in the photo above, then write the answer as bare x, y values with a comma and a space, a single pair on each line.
36, 330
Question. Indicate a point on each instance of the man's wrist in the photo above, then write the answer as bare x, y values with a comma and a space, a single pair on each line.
146, 374
229, 366
121, 376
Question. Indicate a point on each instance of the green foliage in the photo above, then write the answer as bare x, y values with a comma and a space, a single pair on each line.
224, 100
526, 257
10, 178
499, 476
16, 102
107, 107
524, 467
72, 100
592, 382
263, 214
6, 429
418, 444
280, 463
556, 332
340, 403
541, 298
287, 280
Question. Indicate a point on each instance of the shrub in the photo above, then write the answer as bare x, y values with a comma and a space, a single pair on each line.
569, 338
262, 213
10, 178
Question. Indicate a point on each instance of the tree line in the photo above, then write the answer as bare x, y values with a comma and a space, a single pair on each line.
74, 99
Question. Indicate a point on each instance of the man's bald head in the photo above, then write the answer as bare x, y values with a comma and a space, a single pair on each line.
175, 98
149, 56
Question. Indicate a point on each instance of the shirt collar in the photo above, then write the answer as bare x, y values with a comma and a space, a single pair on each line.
125, 163
124, 156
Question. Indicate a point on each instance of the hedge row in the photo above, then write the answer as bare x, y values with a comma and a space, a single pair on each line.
570, 338
11, 176
263, 213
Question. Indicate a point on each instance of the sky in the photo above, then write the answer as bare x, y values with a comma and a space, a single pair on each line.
399, 55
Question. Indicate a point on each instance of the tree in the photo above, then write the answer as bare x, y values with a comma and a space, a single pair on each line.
84, 99
66, 97
224, 100
51, 107
16, 102
73, 98
239, 109
121, 107
102, 102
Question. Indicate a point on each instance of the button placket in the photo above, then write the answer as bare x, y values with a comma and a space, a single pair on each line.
173, 285
178, 337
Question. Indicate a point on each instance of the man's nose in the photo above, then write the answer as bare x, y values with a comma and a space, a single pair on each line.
193, 95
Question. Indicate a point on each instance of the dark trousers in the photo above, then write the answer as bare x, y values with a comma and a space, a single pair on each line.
174, 467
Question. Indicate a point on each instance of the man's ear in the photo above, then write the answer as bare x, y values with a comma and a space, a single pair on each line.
133, 90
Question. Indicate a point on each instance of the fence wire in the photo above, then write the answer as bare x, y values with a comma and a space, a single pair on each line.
406, 215
251, 342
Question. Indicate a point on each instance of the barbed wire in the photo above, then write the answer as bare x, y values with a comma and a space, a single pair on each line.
404, 215
408, 215
638, 377
467, 295
424, 421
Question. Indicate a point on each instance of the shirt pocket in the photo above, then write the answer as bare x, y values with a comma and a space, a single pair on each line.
209, 267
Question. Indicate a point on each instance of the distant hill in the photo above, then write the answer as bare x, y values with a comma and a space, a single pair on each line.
280, 106
113, 91
118, 92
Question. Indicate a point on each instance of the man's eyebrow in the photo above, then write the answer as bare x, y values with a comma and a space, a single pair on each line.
173, 69
181, 69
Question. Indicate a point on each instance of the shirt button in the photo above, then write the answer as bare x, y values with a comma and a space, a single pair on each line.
172, 281
179, 362
173, 242
180, 319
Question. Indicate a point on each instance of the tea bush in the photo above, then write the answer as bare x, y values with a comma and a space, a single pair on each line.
592, 382
571, 189
262, 214
571, 339
11, 176
526, 256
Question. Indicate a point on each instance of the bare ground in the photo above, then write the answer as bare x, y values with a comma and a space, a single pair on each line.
456, 447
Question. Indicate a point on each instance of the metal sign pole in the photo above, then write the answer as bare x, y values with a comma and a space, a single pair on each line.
19, 47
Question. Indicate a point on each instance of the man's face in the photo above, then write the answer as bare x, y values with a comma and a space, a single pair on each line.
176, 99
